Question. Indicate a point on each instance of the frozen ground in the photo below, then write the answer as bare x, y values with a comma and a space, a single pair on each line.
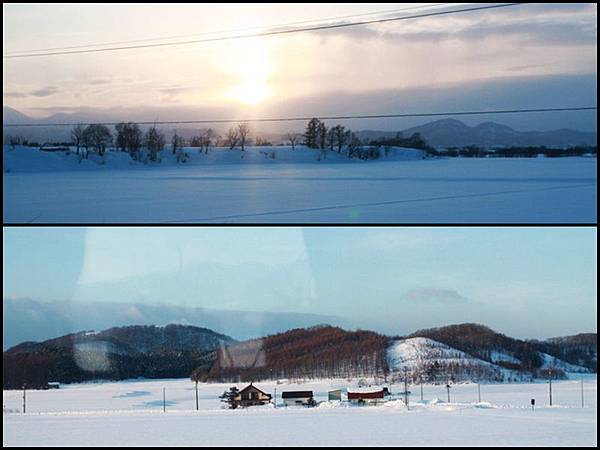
128, 413
295, 187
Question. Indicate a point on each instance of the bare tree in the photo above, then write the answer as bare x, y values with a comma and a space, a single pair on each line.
294, 139
243, 130
232, 138
77, 135
206, 139
177, 142
321, 135
331, 138
342, 136
96, 137
262, 142
355, 146
155, 142
129, 138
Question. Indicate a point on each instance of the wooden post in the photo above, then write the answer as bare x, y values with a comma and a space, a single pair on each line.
24, 403
478, 391
196, 395
164, 402
448, 389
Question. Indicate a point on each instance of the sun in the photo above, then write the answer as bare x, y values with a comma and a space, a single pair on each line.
251, 92
251, 70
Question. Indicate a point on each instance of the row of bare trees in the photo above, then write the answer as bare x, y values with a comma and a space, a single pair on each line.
129, 138
318, 136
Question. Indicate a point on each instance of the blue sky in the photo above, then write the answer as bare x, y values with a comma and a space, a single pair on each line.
527, 282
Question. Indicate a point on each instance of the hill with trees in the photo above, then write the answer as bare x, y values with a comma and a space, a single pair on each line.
316, 352
457, 353
116, 354
516, 354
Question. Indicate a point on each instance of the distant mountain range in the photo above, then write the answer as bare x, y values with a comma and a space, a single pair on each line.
31, 320
456, 353
440, 133
454, 133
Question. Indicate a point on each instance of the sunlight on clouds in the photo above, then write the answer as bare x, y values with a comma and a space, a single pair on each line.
250, 65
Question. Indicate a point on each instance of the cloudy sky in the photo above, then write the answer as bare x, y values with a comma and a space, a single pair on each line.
526, 282
525, 56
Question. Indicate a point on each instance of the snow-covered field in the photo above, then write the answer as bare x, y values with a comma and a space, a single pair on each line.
130, 412
295, 187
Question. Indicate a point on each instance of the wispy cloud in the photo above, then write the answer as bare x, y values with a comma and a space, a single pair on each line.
45, 92
428, 295
41, 92
15, 94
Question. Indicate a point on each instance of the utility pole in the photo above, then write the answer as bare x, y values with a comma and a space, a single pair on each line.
479, 384
406, 388
550, 385
164, 402
196, 395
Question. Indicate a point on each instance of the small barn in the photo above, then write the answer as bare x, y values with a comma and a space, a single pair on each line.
298, 398
336, 394
252, 396
364, 396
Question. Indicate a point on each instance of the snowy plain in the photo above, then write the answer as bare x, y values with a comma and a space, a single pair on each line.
130, 413
277, 184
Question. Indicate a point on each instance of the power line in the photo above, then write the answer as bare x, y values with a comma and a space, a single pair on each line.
295, 119
269, 33
265, 27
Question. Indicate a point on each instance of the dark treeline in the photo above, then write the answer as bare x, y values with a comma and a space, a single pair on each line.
301, 353
580, 349
68, 365
344, 141
473, 151
480, 341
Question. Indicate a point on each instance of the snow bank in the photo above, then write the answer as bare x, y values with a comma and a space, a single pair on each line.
31, 159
